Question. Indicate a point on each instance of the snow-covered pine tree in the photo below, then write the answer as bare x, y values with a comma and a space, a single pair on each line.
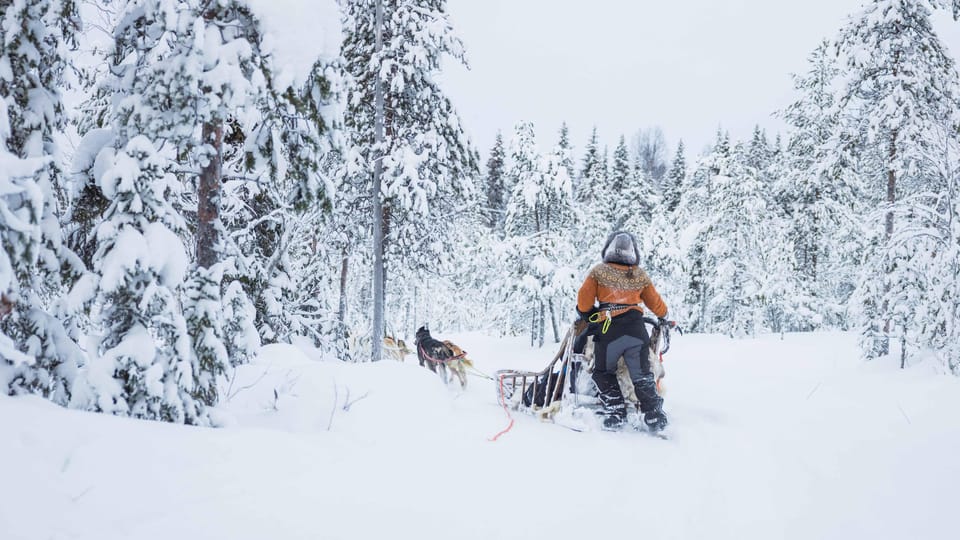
759, 156
34, 39
776, 291
497, 191
538, 250
590, 174
619, 202
247, 148
736, 306
181, 71
566, 147
940, 315
270, 153
603, 178
143, 362
694, 222
20, 208
143, 368
659, 236
203, 310
674, 180
524, 173
276, 203
902, 79
819, 198
429, 168
642, 215
240, 336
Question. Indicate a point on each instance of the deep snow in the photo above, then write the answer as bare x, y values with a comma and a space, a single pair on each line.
769, 439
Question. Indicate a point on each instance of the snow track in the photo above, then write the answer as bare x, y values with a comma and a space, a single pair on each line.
769, 439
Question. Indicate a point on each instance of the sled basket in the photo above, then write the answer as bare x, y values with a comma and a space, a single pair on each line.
534, 389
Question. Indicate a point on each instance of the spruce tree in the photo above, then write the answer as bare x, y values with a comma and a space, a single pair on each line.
674, 180
901, 83
566, 147
540, 221
497, 191
144, 367
619, 204
34, 39
586, 189
172, 116
429, 167
820, 198
737, 226
695, 221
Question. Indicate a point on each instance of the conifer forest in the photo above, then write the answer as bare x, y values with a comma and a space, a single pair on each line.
189, 188
197, 202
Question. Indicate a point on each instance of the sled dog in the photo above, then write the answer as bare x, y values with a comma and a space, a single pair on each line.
396, 348
460, 365
438, 356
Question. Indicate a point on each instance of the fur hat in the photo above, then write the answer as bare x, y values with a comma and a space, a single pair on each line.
621, 248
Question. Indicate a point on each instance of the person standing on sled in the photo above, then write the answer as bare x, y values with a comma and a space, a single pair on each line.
612, 293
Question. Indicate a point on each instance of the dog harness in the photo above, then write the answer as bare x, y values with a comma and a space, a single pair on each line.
440, 360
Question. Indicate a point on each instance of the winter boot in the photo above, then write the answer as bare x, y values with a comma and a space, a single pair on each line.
651, 404
612, 423
655, 420
611, 399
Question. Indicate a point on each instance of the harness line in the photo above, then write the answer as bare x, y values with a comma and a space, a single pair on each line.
440, 360
506, 410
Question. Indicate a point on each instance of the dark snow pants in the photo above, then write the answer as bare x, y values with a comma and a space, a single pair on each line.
627, 337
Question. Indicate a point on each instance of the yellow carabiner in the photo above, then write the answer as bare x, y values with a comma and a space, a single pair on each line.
596, 317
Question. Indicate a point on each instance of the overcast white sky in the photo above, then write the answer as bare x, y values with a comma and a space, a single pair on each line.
687, 66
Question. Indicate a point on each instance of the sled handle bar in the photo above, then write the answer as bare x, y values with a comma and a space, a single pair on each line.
664, 331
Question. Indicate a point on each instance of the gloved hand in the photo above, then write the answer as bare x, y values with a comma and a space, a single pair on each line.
672, 325
583, 315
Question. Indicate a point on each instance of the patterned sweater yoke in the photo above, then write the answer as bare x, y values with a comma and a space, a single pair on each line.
616, 278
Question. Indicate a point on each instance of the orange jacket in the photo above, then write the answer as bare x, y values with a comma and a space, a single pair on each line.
619, 284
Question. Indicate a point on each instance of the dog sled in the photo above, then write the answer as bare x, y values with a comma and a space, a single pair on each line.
564, 388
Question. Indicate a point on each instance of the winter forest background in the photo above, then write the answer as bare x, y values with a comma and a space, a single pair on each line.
182, 181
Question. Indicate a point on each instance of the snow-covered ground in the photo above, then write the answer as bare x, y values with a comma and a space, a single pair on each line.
770, 438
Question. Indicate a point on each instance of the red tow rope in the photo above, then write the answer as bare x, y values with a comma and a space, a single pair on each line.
506, 410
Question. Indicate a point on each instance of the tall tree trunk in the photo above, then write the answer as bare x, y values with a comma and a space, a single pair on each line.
553, 319
378, 273
533, 327
903, 351
891, 186
342, 306
888, 234
542, 329
413, 328
208, 196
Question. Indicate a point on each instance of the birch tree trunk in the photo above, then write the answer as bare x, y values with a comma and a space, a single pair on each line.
378, 278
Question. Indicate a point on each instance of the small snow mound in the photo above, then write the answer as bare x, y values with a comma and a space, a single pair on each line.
287, 390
